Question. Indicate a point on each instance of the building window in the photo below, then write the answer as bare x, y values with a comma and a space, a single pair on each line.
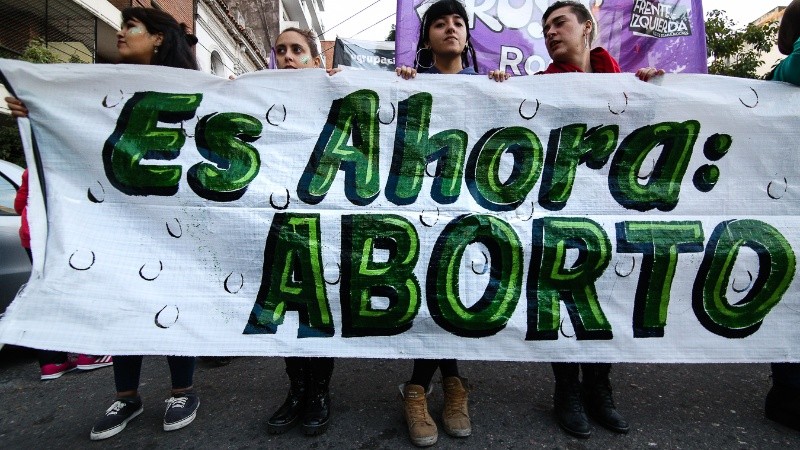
217, 67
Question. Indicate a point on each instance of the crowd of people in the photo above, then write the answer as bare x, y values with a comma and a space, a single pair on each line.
152, 37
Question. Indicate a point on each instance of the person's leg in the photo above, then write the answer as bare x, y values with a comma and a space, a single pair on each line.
423, 371
599, 399
455, 415
128, 405
182, 405
53, 364
127, 370
783, 399
448, 367
567, 403
181, 369
421, 427
294, 407
318, 408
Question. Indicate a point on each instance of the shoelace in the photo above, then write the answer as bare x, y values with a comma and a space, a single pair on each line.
176, 402
417, 410
453, 402
114, 409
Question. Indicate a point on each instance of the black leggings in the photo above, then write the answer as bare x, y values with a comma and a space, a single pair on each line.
128, 369
315, 369
568, 372
425, 368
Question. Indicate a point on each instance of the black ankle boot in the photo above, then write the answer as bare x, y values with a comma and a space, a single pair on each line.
783, 406
599, 399
294, 407
568, 409
318, 409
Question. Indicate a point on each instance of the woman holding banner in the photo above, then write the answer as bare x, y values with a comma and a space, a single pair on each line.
444, 47
308, 399
569, 30
783, 399
151, 37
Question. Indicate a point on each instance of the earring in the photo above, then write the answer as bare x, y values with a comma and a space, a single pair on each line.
155, 49
433, 58
586, 40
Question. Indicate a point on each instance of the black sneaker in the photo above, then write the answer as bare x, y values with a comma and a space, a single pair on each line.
117, 416
181, 410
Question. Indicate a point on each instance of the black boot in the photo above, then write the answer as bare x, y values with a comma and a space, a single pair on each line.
783, 406
318, 409
294, 407
567, 404
599, 399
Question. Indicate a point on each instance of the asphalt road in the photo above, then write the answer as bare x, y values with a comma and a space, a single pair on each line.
675, 406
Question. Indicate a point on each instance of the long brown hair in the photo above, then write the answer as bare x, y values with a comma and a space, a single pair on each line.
175, 49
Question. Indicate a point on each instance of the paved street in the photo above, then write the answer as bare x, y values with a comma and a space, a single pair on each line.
669, 407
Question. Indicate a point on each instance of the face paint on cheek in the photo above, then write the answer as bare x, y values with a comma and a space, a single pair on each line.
305, 59
135, 30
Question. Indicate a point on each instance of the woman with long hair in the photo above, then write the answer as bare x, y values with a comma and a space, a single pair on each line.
308, 400
152, 37
148, 36
444, 47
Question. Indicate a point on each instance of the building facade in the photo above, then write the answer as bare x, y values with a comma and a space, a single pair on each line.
268, 18
226, 46
74, 30
84, 30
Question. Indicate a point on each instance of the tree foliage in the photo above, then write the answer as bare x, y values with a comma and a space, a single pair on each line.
737, 52
391, 35
10, 143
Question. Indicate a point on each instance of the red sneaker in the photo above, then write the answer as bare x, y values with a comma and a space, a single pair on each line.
53, 371
90, 362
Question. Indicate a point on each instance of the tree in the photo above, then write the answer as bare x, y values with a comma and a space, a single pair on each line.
390, 37
737, 53
10, 143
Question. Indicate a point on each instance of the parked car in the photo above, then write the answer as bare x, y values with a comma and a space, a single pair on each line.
15, 268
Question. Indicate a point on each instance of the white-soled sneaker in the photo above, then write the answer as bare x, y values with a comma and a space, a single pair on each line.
181, 410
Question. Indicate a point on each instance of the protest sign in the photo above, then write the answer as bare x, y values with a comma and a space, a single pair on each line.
368, 55
562, 217
508, 34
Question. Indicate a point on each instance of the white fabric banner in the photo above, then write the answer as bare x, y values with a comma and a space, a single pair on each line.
547, 218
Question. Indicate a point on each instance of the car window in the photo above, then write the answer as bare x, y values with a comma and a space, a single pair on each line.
7, 193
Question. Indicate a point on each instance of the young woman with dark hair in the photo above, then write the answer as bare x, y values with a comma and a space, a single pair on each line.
151, 37
444, 47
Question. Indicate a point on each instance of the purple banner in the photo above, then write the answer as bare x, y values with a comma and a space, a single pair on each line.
669, 34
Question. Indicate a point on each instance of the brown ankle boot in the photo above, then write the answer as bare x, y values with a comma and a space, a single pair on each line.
455, 415
421, 427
